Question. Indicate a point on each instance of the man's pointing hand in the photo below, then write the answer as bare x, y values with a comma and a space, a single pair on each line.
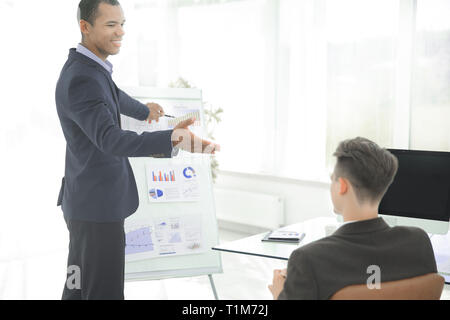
184, 139
156, 111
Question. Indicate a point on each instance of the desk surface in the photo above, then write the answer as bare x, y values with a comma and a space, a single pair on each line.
314, 229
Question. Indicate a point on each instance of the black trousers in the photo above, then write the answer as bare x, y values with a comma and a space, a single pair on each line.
96, 262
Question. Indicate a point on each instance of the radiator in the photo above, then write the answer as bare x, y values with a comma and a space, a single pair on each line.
264, 211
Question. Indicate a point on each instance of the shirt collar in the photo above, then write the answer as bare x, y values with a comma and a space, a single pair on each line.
88, 53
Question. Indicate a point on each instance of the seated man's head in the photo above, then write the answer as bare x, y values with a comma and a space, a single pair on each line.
362, 175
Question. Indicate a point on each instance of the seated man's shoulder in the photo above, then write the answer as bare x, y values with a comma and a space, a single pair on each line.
411, 233
337, 247
318, 247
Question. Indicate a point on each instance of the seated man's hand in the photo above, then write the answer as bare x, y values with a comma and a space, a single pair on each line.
156, 111
184, 139
279, 277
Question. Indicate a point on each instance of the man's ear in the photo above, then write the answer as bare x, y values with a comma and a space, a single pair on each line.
343, 186
84, 27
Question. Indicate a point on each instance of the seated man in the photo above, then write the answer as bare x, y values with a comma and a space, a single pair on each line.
364, 244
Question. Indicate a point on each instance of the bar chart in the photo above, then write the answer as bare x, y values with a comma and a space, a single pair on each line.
163, 176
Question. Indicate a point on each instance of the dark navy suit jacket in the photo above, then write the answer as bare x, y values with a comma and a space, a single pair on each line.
98, 183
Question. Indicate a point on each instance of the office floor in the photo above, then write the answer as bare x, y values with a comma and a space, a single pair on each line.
244, 277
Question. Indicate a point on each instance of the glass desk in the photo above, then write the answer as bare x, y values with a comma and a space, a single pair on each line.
314, 229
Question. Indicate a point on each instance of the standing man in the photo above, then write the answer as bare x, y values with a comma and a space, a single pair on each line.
98, 190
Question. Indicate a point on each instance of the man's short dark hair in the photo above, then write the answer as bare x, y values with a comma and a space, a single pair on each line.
369, 168
88, 9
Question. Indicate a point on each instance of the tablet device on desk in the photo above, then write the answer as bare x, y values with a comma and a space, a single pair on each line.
285, 236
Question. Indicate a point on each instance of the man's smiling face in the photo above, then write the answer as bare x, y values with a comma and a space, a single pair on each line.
104, 37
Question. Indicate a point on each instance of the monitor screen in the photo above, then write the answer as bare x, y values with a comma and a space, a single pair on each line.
421, 187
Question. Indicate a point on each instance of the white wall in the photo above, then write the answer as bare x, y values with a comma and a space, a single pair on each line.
302, 199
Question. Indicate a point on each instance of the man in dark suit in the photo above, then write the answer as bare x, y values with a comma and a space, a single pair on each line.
364, 250
98, 190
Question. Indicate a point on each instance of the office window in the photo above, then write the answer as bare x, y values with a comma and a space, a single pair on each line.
224, 49
296, 77
339, 66
300, 104
430, 105
361, 71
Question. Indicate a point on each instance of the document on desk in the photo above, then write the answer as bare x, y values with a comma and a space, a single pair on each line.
443, 265
443, 262
441, 248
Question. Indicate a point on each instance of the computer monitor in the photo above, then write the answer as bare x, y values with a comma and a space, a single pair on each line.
420, 193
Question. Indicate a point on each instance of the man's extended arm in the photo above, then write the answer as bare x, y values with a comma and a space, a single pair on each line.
131, 107
135, 109
88, 109
300, 281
